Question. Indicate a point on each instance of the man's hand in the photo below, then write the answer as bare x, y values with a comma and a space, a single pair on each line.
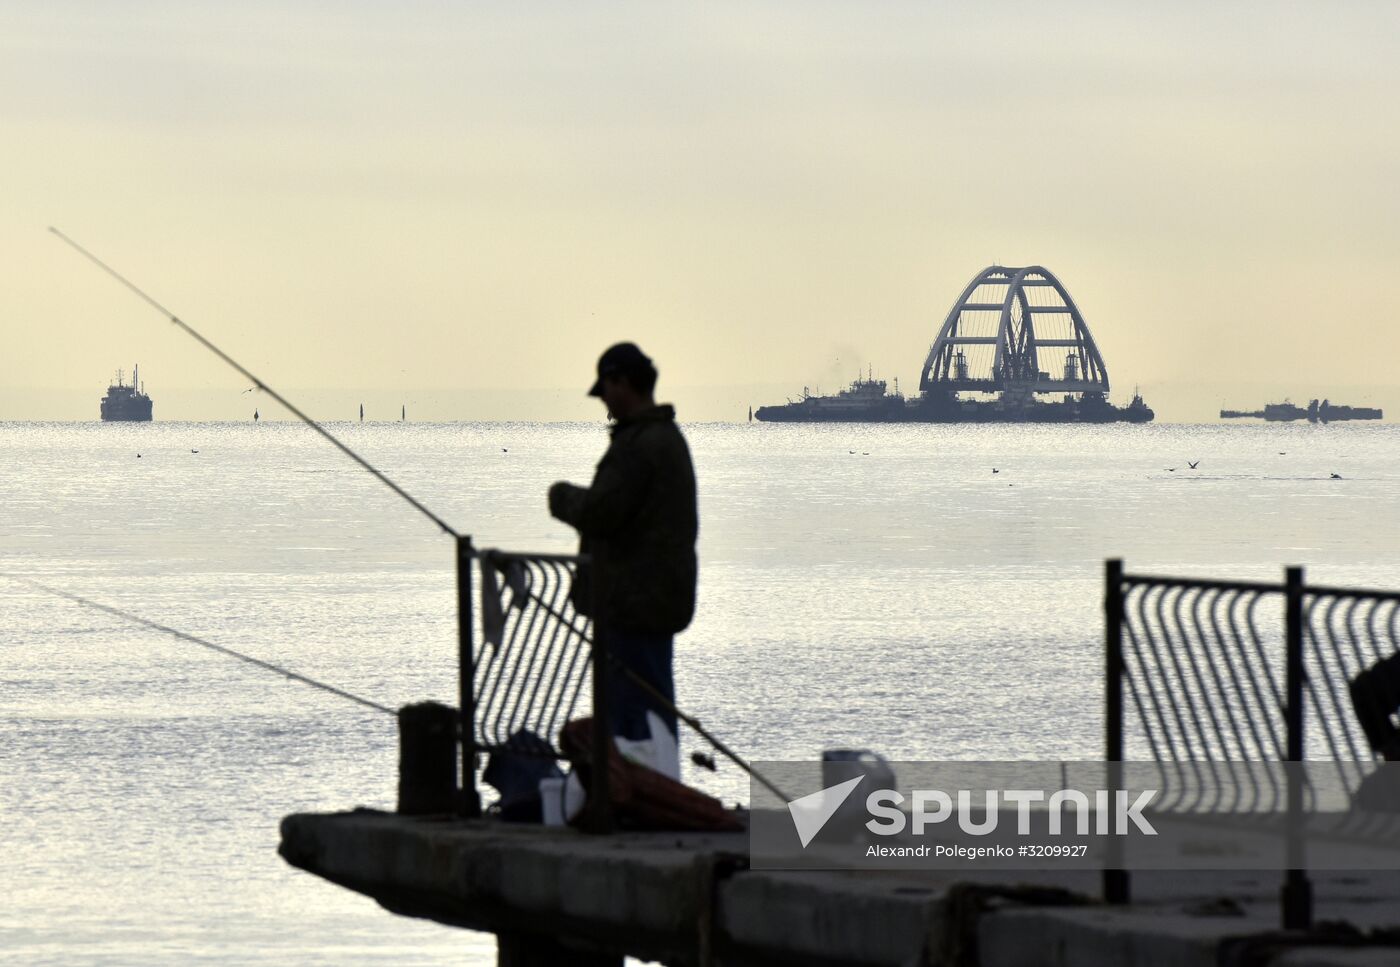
560, 502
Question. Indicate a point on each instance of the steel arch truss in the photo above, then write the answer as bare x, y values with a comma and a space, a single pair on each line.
1015, 329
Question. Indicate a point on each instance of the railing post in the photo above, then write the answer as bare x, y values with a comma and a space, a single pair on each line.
1115, 877
599, 795
470, 801
1297, 891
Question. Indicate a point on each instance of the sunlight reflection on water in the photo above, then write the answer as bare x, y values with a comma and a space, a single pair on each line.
908, 600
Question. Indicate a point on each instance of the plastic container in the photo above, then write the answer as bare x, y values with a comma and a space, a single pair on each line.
552, 800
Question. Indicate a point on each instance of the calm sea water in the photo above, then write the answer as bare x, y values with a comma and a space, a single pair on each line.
876, 586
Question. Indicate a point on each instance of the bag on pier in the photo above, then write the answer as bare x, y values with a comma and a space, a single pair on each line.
516, 771
643, 798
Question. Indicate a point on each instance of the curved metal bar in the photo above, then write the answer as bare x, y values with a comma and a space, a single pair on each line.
950, 323
1340, 716
1159, 703
1086, 339
1272, 704
1172, 649
1209, 699
1233, 641
1226, 694
1142, 706
546, 692
538, 654
1322, 655
532, 657
1329, 691
515, 643
1005, 328
1138, 650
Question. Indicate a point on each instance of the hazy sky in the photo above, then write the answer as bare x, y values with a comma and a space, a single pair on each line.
458, 205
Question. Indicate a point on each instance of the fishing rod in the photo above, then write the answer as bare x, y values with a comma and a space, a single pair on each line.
660, 699
463, 541
192, 639
292, 408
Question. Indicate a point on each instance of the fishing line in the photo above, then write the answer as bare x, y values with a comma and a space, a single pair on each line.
256, 381
446, 528
166, 629
656, 696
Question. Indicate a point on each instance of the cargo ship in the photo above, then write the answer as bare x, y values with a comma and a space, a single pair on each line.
1014, 349
126, 404
1315, 412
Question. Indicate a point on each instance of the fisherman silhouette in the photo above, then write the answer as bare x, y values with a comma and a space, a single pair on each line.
638, 523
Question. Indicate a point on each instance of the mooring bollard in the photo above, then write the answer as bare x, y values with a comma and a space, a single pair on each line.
427, 759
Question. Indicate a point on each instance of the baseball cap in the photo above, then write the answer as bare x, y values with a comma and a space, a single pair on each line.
617, 359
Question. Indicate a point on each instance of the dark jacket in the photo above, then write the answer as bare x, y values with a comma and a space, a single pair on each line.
638, 521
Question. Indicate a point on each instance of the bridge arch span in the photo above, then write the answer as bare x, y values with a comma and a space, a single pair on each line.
1015, 329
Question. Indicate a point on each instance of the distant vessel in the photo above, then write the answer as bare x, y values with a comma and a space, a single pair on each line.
126, 404
1315, 412
864, 401
867, 401
1014, 335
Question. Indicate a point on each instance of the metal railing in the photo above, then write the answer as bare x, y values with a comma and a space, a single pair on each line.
535, 663
1223, 684
538, 659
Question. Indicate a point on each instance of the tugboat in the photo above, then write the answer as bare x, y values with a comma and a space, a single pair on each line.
126, 404
864, 401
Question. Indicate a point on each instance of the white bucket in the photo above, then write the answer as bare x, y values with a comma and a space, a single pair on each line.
552, 800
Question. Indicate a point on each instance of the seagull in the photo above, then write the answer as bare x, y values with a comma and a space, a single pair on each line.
1192, 465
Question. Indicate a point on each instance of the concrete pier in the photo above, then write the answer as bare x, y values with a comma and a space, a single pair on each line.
555, 896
